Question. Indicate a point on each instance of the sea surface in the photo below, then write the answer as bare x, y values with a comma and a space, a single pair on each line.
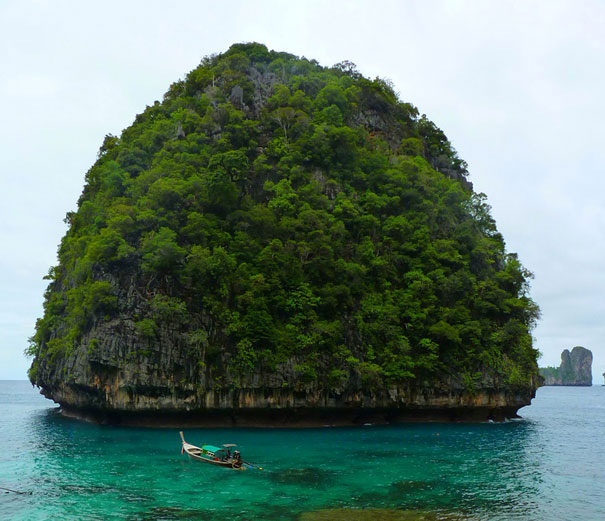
548, 466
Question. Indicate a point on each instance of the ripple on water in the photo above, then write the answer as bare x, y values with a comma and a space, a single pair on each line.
173, 514
379, 514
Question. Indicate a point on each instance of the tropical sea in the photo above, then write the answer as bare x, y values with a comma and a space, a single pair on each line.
547, 466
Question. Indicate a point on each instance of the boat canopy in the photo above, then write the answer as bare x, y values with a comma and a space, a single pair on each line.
213, 449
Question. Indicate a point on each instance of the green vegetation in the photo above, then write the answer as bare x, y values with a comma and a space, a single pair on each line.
270, 210
550, 373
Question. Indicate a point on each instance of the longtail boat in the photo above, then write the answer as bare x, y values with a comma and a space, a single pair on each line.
220, 456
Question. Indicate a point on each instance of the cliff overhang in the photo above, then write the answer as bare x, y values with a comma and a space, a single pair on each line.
282, 408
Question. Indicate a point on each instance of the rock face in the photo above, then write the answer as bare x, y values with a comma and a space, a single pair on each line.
575, 369
279, 243
115, 377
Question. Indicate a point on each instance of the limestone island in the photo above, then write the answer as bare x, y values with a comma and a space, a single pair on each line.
575, 369
282, 243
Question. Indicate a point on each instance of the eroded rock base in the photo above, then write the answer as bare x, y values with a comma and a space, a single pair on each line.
288, 418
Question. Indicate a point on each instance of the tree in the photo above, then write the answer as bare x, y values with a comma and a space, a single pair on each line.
161, 253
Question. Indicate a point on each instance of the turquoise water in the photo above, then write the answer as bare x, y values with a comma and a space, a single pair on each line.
547, 466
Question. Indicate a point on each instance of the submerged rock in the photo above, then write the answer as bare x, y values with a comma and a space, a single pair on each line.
575, 369
407, 486
177, 514
310, 477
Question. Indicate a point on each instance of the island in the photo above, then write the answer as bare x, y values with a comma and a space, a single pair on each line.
276, 242
575, 369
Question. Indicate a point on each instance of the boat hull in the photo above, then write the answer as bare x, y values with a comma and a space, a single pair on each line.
219, 463
198, 454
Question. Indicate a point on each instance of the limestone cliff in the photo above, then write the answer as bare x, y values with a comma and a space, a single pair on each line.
575, 369
281, 242
114, 376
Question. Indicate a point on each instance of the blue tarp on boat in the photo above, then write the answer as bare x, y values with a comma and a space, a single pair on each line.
212, 448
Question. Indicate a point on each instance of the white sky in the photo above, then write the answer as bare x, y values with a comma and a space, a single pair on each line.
518, 87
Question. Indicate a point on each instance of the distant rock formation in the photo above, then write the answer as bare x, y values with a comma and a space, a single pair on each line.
575, 368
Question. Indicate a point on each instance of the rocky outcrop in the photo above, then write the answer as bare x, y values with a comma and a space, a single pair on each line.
277, 243
575, 369
114, 377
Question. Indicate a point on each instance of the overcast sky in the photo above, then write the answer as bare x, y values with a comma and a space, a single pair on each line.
518, 87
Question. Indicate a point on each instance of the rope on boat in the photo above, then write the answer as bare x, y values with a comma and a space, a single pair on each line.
15, 491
